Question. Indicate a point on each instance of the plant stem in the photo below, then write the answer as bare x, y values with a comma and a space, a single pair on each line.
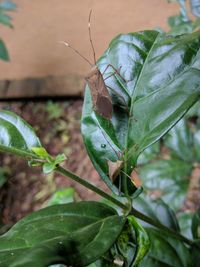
90, 186
134, 212
159, 225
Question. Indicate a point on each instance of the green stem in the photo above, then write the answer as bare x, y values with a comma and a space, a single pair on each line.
159, 225
134, 212
90, 186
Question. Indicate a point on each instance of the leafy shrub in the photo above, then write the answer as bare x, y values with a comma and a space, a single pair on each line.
6, 20
182, 23
161, 82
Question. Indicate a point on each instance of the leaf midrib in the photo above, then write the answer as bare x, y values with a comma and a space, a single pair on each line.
133, 98
57, 237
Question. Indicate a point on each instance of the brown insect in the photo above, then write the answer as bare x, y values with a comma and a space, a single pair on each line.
102, 101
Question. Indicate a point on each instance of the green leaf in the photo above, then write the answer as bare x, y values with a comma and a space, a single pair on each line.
40, 151
52, 164
16, 136
196, 225
179, 140
165, 251
185, 222
185, 27
175, 21
163, 82
63, 196
158, 210
60, 158
73, 234
167, 179
142, 241
3, 51
5, 19
48, 167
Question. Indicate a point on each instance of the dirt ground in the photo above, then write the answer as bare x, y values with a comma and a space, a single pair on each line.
27, 188
58, 127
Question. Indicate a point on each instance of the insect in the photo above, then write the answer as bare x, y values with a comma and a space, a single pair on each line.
102, 101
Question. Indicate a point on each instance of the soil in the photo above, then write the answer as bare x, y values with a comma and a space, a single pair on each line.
58, 127
27, 189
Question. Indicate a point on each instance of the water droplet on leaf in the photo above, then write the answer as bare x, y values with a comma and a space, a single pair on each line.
103, 145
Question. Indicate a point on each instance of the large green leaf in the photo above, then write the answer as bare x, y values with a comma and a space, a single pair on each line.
165, 251
163, 82
16, 136
167, 179
3, 51
73, 234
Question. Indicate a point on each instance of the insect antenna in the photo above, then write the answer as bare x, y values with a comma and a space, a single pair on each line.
90, 37
77, 52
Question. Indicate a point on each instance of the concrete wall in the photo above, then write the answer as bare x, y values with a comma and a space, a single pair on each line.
39, 25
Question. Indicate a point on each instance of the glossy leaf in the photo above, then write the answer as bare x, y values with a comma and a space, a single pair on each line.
73, 234
167, 179
157, 210
196, 225
142, 241
163, 82
165, 251
3, 51
16, 136
179, 140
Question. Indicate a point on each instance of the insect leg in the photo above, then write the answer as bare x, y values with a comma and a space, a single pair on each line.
106, 69
115, 71
121, 97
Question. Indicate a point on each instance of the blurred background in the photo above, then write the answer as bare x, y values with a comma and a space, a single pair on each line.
43, 81
34, 46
